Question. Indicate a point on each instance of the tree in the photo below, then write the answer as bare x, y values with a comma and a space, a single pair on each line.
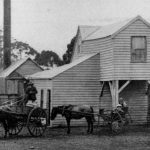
48, 58
19, 49
69, 52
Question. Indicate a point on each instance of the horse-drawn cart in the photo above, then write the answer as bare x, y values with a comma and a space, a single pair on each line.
116, 119
14, 118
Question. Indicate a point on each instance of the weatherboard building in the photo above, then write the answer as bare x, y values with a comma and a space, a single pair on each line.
108, 63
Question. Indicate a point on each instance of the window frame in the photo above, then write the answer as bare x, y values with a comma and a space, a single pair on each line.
131, 50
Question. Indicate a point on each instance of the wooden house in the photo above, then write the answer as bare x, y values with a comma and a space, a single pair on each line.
108, 63
12, 78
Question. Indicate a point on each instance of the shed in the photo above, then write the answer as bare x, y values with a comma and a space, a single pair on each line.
74, 83
12, 78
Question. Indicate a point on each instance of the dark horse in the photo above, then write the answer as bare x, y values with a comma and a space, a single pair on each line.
8, 121
75, 112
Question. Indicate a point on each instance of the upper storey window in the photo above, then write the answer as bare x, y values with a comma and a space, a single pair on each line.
138, 49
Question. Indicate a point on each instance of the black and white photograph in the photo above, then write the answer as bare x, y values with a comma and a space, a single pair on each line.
74, 74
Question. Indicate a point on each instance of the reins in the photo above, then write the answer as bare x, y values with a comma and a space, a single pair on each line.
11, 103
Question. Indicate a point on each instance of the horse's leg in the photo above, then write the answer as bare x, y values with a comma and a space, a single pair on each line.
68, 125
5, 128
91, 122
88, 122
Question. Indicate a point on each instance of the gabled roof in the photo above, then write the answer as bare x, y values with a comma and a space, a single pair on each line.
49, 74
15, 66
91, 33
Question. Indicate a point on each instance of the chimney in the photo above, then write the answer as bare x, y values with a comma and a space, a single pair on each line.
7, 34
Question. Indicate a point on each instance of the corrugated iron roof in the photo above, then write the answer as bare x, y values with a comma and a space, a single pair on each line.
87, 30
107, 30
49, 74
95, 32
13, 67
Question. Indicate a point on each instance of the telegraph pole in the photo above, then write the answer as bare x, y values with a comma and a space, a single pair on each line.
7, 34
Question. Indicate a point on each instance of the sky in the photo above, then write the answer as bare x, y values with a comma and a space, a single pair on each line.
51, 24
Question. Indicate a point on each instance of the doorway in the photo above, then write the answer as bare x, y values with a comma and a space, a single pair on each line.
49, 105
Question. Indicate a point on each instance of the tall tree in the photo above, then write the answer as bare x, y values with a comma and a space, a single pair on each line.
19, 50
48, 58
68, 54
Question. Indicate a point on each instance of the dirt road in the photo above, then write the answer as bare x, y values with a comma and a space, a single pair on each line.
101, 139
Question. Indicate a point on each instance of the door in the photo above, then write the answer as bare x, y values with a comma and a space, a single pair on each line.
49, 104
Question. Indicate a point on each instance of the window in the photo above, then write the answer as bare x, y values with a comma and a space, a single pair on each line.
42, 98
138, 49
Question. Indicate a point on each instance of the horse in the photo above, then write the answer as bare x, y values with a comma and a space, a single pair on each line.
75, 112
8, 121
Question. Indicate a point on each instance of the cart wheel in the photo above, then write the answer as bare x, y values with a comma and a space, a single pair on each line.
116, 123
128, 119
37, 122
17, 129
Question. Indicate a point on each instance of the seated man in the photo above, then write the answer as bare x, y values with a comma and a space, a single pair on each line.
119, 108
30, 93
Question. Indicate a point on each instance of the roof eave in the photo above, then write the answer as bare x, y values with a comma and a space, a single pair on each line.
97, 38
38, 78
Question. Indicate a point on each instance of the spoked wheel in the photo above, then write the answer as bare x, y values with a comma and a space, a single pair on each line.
37, 122
128, 119
116, 123
17, 129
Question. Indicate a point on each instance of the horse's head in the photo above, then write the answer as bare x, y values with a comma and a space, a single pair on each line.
54, 113
57, 110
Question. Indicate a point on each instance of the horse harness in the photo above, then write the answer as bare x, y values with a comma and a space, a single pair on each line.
66, 109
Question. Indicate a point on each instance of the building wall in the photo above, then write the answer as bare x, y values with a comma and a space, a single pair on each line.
137, 101
12, 86
44, 85
105, 47
124, 69
2, 85
106, 99
78, 85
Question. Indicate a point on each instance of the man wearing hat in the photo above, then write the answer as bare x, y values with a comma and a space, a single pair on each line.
119, 108
30, 93
122, 104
